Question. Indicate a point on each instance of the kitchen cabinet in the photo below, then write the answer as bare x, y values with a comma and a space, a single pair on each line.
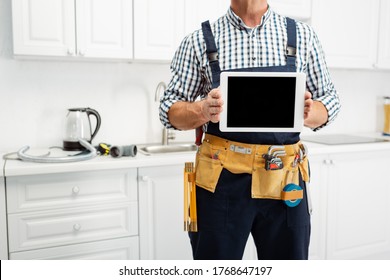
115, 249
384, 36
162, 235
318, 191
351, 40
297, 9
158, 28
132, 208
198, 11
353, 213
73, 215
3, 219
77, 29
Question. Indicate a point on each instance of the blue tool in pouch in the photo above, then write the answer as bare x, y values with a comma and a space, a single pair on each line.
287, 192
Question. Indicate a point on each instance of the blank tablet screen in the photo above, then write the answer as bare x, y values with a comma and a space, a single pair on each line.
267, 102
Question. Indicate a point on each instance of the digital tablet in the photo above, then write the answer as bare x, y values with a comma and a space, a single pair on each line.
262, 101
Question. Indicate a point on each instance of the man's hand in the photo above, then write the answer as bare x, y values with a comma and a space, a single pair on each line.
315, 113
185, 115
308, 104
212, 106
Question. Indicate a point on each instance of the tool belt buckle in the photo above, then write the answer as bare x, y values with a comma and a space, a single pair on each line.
272, 160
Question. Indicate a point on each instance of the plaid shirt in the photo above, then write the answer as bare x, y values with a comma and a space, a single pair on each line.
240, 46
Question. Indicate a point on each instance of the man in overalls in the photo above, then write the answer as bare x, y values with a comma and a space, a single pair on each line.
236, 193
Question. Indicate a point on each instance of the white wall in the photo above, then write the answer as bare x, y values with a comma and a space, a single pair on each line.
36, 94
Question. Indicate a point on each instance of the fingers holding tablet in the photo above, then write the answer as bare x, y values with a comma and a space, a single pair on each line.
212, 105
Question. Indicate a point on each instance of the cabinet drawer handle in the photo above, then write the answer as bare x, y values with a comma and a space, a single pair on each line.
75, 190
329, 162
144, 178
76, 227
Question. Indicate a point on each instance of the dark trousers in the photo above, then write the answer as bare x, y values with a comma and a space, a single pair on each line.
226, 217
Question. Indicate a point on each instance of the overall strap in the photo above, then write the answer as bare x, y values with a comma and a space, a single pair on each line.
291, 42
212, 53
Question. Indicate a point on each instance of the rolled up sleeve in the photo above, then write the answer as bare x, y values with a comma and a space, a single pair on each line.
186, 81
319, 82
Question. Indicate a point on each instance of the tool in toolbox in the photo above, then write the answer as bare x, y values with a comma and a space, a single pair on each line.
272, 160
190, 212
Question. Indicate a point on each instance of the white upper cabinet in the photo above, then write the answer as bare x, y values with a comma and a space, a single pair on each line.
158, 28
297, 9
81, 28
43, 27
351, 39
199, 11
384, 36
105, 28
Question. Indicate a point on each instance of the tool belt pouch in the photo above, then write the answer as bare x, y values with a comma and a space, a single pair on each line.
209, 165
212, 159
270, 183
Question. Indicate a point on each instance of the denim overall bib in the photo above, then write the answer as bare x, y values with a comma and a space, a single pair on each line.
227, 216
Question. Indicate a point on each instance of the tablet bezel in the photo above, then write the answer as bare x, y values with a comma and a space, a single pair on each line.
300, 89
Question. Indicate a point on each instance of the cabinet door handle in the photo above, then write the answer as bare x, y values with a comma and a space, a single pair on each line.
76, 227
329, 162
81, 53
144, 178
75, 190
70, 52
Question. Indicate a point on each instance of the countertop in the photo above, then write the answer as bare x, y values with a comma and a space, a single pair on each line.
18, 168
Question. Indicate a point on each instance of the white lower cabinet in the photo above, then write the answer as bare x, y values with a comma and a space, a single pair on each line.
162, 235
318, 188
3, 219
65, 215
137, 213
358, 206
351, 205
126, 248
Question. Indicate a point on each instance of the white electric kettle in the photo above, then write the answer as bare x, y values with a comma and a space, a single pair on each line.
78, 126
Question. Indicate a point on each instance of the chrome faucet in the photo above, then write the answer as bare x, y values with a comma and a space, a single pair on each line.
166, 133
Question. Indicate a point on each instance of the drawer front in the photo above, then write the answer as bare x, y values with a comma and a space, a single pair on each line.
117, 249
53, 191
54, 228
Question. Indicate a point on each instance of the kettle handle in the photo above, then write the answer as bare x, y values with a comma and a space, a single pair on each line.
91, 111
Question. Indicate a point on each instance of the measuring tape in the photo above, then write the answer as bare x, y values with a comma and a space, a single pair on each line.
292, 188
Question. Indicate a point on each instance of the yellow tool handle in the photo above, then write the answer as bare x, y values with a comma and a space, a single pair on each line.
186, 202
193, 213
190, 215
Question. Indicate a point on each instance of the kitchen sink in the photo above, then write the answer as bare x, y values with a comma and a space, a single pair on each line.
165, 149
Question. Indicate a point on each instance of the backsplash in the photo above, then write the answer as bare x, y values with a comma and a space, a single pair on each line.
35, 96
